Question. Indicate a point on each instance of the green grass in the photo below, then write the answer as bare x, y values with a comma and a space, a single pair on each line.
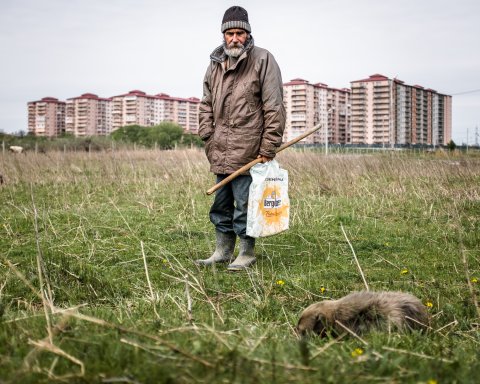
413, 222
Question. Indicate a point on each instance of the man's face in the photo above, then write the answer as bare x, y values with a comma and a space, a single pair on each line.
235, 38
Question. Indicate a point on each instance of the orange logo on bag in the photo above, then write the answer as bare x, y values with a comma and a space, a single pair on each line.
272, 206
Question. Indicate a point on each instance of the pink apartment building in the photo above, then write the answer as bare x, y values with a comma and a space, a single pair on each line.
335, 111
388, 112
182, 111
308, 104
136, 107
88, 115
46, 117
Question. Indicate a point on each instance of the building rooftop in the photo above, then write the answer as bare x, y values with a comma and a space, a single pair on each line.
297, 81
375, 77
48, 99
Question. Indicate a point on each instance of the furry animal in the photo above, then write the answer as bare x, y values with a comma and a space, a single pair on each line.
16, 149
364, 311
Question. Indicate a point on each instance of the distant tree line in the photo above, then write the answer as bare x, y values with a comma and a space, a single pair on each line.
166, 135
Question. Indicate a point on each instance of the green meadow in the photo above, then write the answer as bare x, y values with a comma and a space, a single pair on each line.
98, 284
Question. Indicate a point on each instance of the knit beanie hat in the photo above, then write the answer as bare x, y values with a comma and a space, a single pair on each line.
236, 17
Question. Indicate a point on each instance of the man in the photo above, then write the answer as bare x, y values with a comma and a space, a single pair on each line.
242, 117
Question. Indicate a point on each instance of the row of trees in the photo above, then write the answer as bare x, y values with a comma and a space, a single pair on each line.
165, 135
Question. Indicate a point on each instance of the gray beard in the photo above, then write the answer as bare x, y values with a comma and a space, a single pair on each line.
233, 52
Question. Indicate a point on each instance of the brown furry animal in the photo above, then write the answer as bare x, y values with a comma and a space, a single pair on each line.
364, 311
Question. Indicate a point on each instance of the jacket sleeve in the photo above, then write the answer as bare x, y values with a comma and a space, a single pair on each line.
206, 125
273, 108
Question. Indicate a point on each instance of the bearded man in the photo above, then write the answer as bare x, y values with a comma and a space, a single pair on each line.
242, 117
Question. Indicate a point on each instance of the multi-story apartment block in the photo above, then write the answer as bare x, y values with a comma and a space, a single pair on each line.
421, 116
371, 111
192, 114
182, 111
88, 115
46, 117
136, 107
387, 112
338, 115
299, 100
308, 104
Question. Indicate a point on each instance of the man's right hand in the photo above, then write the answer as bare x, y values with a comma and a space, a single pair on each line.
265, 159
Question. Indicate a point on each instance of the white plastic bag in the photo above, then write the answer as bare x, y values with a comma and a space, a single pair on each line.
268, 203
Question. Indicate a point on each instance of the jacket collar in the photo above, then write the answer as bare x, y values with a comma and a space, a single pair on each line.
220, 56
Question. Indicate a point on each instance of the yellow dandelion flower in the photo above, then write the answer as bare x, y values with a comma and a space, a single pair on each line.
357, 352
474, 280
322, 289
429, 304
164, 261
404, 271
432, 381
280, 282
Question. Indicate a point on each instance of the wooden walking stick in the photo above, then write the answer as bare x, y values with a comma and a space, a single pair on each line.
246, 167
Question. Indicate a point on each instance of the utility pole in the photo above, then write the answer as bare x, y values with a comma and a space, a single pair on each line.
467, 139
326, 138
326, 129
476, 136
391, 126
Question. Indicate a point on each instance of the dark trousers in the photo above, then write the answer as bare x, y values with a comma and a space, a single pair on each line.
229, 210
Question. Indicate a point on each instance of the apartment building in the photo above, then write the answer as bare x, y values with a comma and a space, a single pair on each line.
309, 104
387, 112
184, 112
88, 115
136, 107
46, 117
133, 108
301, 115
421, 116
371, 111
338, 110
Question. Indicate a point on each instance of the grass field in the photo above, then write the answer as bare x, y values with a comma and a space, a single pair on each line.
111, 238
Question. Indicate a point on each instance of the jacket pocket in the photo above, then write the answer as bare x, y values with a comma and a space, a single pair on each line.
210, 147
252, 101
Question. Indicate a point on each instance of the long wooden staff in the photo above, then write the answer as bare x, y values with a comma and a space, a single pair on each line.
246, 167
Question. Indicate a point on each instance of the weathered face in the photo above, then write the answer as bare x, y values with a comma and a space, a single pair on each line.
235, 37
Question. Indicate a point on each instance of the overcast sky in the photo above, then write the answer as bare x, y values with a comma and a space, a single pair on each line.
63, 48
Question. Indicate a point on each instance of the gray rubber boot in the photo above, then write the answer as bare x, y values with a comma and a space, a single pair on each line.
246, 257
223, 250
